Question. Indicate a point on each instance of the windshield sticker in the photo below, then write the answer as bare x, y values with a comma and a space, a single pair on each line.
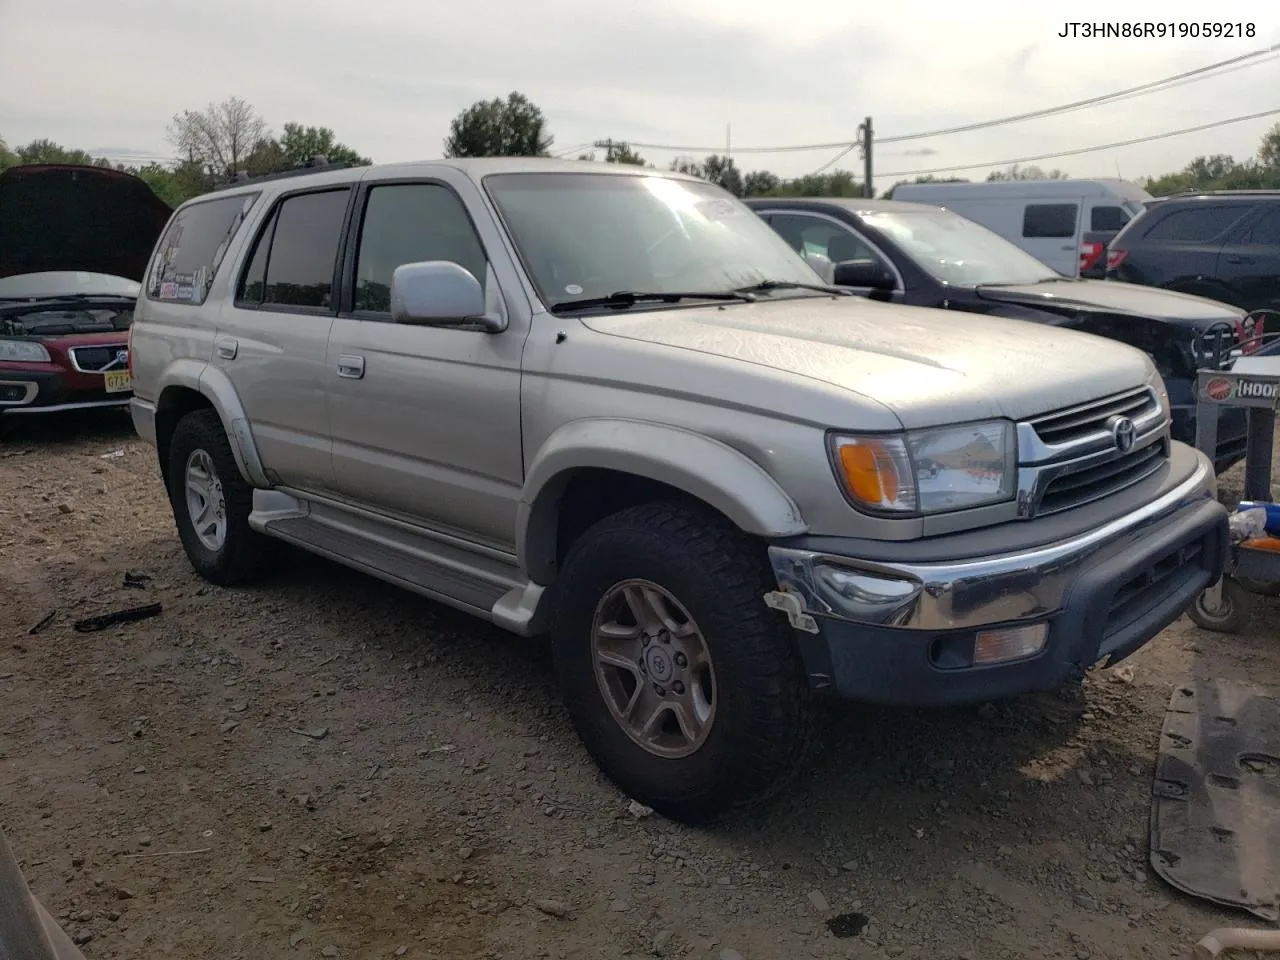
198, 286
168, 291
573, 289
718, 209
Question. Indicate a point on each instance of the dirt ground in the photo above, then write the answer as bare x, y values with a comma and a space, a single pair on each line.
325, 767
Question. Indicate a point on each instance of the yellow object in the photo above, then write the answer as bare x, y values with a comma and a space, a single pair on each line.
1263, 543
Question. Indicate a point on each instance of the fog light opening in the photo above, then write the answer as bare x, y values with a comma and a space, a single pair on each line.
1009, 643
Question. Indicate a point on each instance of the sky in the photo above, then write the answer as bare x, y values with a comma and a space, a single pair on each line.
389, 75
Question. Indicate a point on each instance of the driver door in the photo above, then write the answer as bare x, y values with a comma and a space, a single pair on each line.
813, 235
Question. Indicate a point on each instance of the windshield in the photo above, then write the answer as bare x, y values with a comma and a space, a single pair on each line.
958, 251
586, 235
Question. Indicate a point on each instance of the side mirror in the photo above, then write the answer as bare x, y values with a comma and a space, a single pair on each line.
864, 273
821, 265
438, 293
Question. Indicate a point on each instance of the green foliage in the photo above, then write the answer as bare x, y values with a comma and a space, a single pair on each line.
1026, 173
220, 137
46, 151
1269, 152
298, 144
1222, 172
926, 179
514, 127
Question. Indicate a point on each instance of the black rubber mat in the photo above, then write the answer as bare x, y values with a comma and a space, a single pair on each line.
1215, 815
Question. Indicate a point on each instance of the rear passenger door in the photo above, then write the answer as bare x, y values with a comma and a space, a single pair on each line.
1051, 234
1180, 245
272, 339
1249, 263
426, 420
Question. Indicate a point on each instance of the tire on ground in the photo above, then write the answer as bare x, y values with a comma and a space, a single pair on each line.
762, 722
243, 553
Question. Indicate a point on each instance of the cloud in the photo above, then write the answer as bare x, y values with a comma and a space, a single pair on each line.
388, 75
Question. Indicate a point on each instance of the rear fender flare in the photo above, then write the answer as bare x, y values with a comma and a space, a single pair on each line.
216, 387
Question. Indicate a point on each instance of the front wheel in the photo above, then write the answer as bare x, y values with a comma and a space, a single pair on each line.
1229, 615
684, 686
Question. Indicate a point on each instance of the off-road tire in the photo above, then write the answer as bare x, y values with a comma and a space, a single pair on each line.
244, 553
763, 721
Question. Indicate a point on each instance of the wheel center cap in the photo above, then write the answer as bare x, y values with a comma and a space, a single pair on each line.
658, 662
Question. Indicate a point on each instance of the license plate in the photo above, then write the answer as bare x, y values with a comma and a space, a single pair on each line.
118, 381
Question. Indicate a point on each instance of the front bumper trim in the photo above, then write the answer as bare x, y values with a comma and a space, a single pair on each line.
1027, 585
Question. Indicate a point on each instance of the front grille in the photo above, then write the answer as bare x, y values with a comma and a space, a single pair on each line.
1076, 423
1148, 587
1093, 483
97, 358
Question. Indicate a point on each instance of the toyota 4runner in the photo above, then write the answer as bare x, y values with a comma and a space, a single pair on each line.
613, 405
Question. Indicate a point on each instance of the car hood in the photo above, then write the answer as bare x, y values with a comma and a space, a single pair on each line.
929, 367
1108, 296
63, 217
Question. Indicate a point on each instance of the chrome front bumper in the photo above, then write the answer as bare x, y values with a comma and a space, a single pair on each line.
1027, 585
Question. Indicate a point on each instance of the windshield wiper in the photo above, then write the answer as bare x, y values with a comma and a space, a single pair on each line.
764, 286
629, 298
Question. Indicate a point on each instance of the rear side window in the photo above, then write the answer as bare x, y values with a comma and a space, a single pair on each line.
1050, 220
1198, 224
1266, 232
294, 257
1107, 218
192, 248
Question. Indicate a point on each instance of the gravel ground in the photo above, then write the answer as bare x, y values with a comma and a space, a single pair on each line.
325, 767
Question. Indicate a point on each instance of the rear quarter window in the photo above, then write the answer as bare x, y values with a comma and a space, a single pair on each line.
192, 248
1198, 224
1056, 220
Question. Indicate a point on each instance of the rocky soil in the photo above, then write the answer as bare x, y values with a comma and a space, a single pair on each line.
325, 767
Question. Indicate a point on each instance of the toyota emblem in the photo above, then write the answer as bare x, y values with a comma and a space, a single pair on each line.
1122, 431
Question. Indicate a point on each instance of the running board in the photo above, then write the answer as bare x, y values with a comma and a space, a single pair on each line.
477, 583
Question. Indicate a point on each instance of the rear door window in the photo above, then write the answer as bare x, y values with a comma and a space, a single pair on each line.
295, 256
1196, 224
192, 247
1050, 220
1266, 232
1106, 218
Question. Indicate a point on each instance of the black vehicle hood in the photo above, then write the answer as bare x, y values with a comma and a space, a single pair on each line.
1112, 297
56, 217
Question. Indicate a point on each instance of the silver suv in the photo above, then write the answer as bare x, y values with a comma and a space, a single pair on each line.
613, 405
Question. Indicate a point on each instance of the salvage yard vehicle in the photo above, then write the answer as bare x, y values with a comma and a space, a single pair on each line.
613, 405
74, 241
930, 257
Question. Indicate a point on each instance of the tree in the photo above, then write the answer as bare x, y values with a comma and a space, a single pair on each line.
1269, 152
1026, 173
622, 153
719, 170
7, 157
299, 144
760, 183
46, 151
514, 127
220, 137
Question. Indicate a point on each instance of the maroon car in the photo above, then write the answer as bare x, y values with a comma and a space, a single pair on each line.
74, 242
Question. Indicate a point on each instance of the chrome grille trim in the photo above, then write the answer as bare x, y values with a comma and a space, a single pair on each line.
1068, 457
109, 351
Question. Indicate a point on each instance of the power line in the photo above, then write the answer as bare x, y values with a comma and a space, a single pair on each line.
1191, 76
1076, 153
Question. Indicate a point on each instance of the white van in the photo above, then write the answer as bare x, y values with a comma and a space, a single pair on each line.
1047, 218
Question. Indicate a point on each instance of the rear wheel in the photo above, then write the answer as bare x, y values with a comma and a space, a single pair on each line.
683, 685
211, 502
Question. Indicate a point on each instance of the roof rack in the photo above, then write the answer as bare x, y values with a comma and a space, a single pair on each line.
1243, 192
317, 164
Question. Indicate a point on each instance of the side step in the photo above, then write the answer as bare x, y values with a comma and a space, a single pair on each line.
485, 584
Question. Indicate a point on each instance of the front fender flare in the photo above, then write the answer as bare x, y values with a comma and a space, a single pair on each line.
216, 387
701, 467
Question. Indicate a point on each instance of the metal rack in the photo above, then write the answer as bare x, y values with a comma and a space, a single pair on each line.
1253, 382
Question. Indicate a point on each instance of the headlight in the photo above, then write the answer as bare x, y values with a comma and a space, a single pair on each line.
929, 471
23, 351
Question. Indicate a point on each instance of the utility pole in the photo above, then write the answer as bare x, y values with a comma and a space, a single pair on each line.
864, 131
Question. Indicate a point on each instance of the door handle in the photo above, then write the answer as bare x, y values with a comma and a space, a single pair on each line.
1239, 259
228, 347
351, 367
